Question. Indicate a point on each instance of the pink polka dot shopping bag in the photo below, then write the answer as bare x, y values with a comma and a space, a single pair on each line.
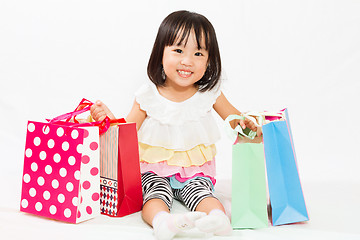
61, 170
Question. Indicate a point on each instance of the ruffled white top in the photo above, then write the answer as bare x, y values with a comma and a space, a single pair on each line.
179, 126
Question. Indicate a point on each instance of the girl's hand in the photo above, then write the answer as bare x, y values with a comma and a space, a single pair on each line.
99, 111
247, 124
251, 125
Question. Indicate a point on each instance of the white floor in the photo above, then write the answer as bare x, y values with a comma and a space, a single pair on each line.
333, 209
304, 55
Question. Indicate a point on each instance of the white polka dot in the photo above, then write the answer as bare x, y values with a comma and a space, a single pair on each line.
77, 175
63, 172
24, 203
41, 181
60, 131
46, 129
34, 167
51, 143
69, 186
27, 178
74, 134
42, 155
71, 160
38, 206
28, 153
37, 141
32, 192
52, 209
65, 146
57, 157
67, 213
61, 198
46, 195
75, 201
48, 169
31, 127
79, 148
55, 184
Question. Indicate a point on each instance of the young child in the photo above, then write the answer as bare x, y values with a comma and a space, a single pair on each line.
176, 129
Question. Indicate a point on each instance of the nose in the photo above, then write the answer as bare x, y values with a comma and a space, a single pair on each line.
186, 61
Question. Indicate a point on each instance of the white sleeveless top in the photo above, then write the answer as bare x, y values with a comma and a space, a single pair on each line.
179, 126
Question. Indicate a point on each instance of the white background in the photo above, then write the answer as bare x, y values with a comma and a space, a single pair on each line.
303, 55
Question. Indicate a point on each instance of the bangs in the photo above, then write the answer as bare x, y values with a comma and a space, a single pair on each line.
181, 32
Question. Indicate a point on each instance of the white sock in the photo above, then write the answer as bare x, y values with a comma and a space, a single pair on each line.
167, 225
215, 222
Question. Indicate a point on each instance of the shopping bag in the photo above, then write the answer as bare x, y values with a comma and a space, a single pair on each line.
249, 194
120, 184
121, 191
61, 172
286, 195
287, 202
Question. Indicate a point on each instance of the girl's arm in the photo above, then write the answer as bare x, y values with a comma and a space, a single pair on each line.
224, 108
136, 115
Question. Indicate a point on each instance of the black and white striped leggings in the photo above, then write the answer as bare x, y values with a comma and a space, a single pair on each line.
155, 187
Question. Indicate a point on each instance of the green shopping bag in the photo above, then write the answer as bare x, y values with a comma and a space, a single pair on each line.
249, 194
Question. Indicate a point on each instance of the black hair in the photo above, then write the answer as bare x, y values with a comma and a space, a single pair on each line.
184, 22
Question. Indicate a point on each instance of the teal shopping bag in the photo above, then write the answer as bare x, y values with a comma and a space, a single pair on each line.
286, 195
249, 194
249, 197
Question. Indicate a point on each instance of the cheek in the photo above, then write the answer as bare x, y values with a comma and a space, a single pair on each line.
168, 63
167, 67
203, 69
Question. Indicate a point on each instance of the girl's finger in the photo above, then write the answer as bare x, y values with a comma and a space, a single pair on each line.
100, 115
94, 112
251, 125
242, 124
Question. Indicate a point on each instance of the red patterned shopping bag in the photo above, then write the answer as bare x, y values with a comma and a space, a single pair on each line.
121, 191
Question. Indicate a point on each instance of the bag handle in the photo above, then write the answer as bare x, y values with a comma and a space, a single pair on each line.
266, 116
258, 118
103, 125
84, 106
233, 133
84, 103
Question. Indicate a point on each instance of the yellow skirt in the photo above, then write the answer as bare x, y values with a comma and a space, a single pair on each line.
196, 156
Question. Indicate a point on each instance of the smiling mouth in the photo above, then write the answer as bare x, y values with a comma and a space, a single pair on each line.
184, 73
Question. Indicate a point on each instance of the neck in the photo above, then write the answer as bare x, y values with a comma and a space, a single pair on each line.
176, 93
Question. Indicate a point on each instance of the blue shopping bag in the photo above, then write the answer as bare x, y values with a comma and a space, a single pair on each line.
286, 195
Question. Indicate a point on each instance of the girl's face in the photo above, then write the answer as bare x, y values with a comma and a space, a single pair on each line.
183, 64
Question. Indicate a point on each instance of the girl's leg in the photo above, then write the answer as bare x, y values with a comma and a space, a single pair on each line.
153, 207
157, 194
198, 196
208, 204
158, 198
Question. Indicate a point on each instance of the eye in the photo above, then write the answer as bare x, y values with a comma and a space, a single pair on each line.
178, 50
199, 54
